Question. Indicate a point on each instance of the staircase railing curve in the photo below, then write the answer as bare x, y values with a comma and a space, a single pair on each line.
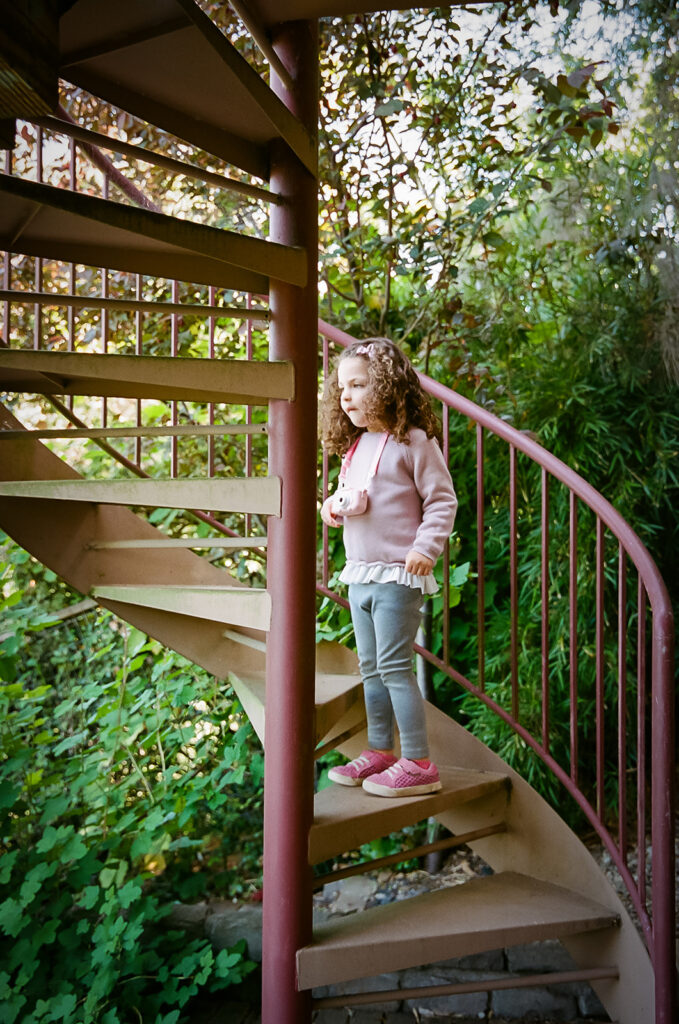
647, 756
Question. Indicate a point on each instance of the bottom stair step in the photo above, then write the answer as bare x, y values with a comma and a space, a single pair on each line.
487, 913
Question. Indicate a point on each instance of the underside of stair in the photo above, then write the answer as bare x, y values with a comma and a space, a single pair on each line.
56, 223
240, 606
334, 695
345, 817
484, 914
163, 378
168, 63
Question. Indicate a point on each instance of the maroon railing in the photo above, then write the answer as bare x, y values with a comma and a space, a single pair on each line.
654, 707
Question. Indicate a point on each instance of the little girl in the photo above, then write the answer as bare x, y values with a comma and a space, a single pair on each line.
376, 415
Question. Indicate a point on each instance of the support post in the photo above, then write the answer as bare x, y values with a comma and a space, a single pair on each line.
289, 761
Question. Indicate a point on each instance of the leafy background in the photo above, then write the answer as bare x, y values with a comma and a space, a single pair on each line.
498, 194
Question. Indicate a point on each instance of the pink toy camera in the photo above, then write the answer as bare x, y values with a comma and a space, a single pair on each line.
349, 501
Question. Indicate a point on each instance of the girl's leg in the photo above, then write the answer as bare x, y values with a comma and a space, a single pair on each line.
395, 619
377, 700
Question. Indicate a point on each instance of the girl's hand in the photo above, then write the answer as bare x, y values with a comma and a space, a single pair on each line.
326, 513
417, 564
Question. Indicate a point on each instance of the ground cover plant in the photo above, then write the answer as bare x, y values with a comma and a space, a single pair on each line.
129, 779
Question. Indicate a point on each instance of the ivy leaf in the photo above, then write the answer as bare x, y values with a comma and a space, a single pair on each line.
12, 917
62, 1007
89, 897
6, 864
129, 893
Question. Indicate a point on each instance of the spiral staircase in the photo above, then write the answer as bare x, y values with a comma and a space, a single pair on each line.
166, 63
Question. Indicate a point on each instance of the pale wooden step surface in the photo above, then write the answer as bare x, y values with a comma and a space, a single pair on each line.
239, 606
334, 694
55, 223
345, 817
260, 495
191, 380
487, 913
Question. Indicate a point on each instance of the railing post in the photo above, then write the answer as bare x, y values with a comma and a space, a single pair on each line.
662, 818
288, 778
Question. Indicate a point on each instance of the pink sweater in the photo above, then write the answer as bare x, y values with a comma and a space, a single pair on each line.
411, 501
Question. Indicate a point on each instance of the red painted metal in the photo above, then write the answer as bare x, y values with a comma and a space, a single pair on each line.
653, 730
573, 632
37, 317
641, 738
513, 583
174, 351
446, 555
325, 474
600, 667
289, 750
622, 703
480, 553
544, 610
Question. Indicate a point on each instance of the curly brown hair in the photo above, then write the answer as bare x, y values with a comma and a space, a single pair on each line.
395, 397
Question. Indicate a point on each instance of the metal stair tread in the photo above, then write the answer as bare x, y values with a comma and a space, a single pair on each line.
345, 817
161, 377
480, 915
260, 495
57, 223
235, 605
168, 63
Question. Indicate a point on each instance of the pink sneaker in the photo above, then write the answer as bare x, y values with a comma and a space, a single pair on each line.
370, 762
405, 778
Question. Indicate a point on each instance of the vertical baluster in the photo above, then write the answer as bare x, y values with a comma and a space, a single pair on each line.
37, 309
70, 313
641, 740
325, 571
248, 414
622, 703
446, 548
573, 637
105, 326
544, 608
7, 270
480, 557
212, 299
513, 584
138, 347
174, 349
600, 802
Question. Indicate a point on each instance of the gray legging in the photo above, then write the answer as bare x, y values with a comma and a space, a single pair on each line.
386, 617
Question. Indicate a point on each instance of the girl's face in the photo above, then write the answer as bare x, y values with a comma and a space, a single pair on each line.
352, 379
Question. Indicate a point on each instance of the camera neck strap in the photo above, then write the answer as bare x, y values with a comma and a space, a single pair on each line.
346, 461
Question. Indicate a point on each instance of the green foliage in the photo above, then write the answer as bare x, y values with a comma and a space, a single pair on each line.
127, 779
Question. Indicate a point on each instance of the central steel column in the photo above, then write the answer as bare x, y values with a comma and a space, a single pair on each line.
291, 573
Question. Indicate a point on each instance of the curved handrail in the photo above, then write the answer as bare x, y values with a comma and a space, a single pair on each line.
617, 524
658, 926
